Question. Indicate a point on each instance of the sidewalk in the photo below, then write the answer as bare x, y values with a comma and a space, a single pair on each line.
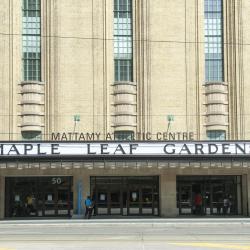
100, 233
136, 221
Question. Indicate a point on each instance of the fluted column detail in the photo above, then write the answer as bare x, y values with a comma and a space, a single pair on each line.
124, 106
216, 102
32, 106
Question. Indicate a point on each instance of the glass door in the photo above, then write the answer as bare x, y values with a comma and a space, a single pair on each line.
38, 196
115, 201
101, 202
185, 199
232, 197
63, 203
147, 200
40, 203
209, 195
205, 188
125, 198
217, 196
50, 199
125, 195
134, 200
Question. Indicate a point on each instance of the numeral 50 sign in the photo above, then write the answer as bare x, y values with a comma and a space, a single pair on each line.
56, 180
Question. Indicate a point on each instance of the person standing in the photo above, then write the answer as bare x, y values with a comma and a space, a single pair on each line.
198, 203
225, 205
29, 204
88, 208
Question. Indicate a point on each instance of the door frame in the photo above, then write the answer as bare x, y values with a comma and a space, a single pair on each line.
125, 188
191, 197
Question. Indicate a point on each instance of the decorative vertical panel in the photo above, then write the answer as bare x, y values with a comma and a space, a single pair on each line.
32, 89
124, 89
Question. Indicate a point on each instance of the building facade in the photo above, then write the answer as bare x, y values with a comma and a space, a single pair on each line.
136, 70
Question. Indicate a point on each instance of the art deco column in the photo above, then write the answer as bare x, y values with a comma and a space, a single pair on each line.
216, 102
124, 106
32, 106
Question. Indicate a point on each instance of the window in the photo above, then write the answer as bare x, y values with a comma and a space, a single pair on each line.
216, 135
31, 40
123, 43
124, 135
123, 70
214, 41
31, 135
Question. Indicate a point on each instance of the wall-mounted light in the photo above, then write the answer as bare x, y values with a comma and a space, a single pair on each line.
162, 164
67, 165
244, 165
236, 164
12, 165
44, 166
3, 165
77, 164
195, 164
184, 165
76, 119
34, 165
88, 165
172, 164
205, 165
170, 118
100, 164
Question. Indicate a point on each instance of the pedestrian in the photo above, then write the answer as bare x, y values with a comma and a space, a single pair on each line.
93, 204
198, 203
225, 205
230, 199
29, 204
88, 208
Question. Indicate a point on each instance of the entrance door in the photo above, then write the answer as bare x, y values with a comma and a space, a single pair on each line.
185, 199
38, 196
115, 202
134, 200
194, 198
108, 201
64, 198
101, 202
224, 194
57, 197
147, 200
125, 195
207, 200
50, 201
142, 200
217, 195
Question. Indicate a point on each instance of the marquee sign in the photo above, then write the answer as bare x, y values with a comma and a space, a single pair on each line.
42, 149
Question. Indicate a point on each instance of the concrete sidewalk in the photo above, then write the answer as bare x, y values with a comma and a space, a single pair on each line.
130, 221
123, 234
101, 220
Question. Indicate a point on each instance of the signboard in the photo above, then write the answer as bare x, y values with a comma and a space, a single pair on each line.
145, 136
102, 197
17, 198
49, 197
43, 149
